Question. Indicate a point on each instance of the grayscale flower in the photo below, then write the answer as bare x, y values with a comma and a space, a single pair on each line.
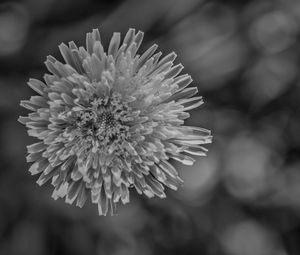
107, 122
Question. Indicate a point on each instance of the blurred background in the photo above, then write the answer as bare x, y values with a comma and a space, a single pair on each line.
242, 199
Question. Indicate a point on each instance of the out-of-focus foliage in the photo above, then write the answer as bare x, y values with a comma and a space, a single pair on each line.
244, 198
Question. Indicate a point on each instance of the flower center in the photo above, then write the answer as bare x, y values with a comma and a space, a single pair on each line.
106, 121
103, 122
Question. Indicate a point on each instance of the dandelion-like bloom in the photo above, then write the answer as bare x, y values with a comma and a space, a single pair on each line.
111, 121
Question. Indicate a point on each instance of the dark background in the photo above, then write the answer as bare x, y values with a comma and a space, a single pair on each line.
243, 199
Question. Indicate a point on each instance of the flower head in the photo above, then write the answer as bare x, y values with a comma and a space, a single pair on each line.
107, 122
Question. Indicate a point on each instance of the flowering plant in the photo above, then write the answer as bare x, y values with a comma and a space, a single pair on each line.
107, 122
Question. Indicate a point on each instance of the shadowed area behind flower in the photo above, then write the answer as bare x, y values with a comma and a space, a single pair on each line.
241, 199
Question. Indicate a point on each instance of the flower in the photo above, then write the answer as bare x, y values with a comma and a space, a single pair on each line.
107, 122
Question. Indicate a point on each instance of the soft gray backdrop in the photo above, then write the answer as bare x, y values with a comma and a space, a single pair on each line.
243, 199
